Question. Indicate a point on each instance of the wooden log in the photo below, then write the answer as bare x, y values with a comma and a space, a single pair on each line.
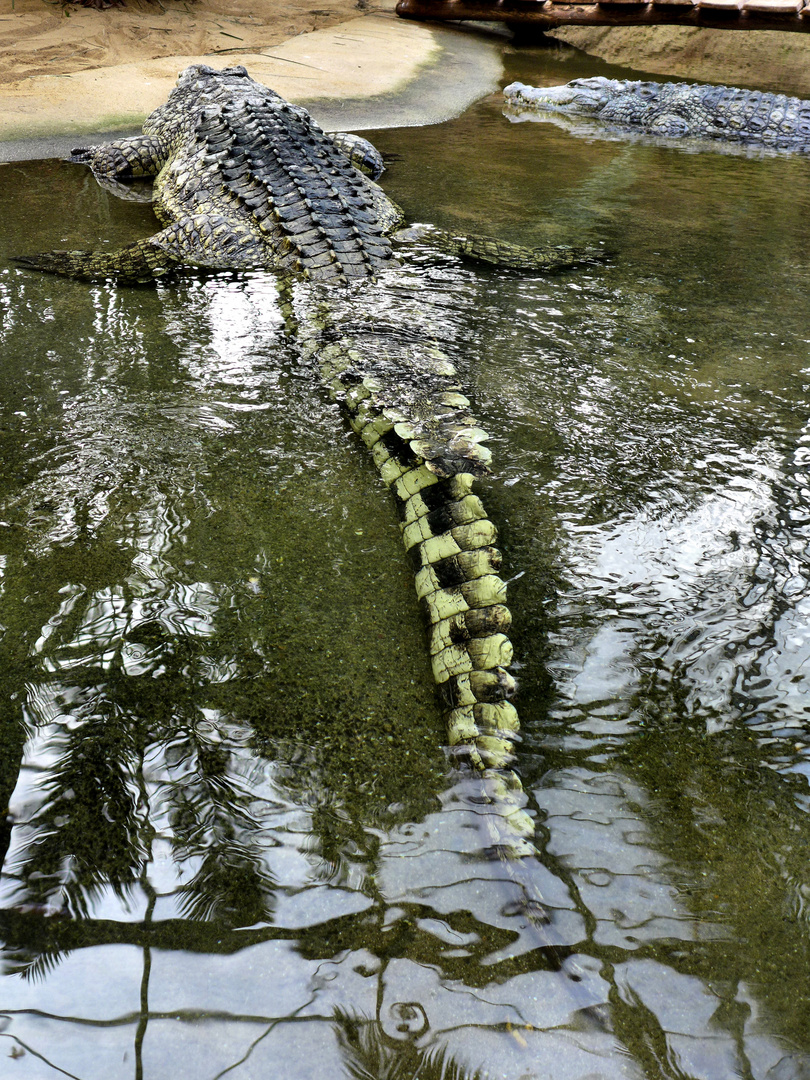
548, 15
774, 7
733, 7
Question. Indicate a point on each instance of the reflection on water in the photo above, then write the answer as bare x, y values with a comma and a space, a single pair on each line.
233, 845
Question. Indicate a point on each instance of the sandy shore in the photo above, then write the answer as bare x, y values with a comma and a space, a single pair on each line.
41, 37
75, 70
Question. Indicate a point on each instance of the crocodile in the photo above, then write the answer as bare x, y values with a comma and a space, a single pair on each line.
243, 179
745, 118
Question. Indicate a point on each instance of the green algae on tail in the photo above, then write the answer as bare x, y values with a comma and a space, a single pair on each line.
450, 540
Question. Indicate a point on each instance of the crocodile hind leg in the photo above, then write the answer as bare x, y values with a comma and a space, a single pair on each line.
200, 240
488, 249
141, 262
548, 260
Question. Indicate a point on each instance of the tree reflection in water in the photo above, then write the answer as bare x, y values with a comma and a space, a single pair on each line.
370, 1054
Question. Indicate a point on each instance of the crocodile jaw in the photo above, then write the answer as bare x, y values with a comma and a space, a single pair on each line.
584, 97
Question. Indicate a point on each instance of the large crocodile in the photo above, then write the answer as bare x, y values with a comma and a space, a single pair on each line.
675, 110
243, 179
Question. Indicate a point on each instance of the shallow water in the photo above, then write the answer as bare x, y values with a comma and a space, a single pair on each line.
233, 844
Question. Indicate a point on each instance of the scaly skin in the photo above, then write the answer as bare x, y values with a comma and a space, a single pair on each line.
676, 110
244, 180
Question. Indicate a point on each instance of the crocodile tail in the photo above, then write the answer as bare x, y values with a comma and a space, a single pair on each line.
451, 542
430, 460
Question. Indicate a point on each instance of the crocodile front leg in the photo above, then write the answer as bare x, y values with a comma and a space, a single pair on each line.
138, 155
363, 154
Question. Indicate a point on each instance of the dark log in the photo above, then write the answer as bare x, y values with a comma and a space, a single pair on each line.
548, 15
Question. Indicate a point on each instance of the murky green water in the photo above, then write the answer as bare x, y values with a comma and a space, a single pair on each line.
232, 846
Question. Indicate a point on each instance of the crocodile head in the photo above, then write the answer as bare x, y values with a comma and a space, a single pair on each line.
201, 77
584, 97
199, 82
200, 88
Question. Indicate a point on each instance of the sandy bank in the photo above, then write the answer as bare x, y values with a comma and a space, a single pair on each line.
100, 71
766, 59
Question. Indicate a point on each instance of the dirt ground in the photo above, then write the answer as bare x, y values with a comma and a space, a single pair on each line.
43, 37
66, 69
772, 60
49, 38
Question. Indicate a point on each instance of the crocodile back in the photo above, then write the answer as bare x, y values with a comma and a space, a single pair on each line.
266, 161
747, 116
717, 112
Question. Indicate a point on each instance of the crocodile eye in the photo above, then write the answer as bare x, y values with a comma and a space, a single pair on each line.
237, 70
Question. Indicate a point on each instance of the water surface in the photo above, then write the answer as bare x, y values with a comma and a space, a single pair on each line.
234, 846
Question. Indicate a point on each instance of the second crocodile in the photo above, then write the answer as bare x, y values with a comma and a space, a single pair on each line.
675, 110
